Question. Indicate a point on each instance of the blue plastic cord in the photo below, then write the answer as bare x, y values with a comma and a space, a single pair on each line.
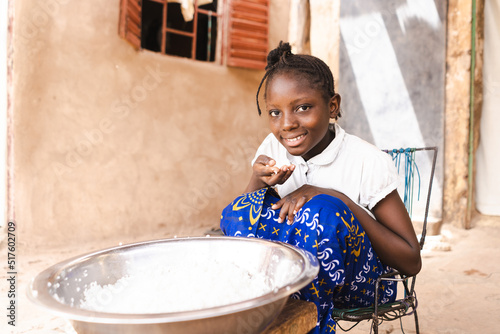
407, 157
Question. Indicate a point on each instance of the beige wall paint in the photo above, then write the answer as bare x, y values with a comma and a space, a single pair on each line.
114, 143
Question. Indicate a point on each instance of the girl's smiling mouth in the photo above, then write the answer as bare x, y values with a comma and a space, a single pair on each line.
294, 141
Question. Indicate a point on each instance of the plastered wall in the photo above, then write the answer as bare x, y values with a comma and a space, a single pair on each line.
114, 143
390, 96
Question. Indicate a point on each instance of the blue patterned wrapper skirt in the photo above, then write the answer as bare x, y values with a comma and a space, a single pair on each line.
326, 228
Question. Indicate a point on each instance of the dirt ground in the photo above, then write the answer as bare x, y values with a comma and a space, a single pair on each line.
458, 288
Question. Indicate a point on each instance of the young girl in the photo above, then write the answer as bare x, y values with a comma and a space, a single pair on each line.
337, 193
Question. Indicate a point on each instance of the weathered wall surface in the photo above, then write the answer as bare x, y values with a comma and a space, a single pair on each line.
110, 142
457, 202
392, 77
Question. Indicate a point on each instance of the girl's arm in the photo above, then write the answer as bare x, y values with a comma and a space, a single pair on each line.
391, 233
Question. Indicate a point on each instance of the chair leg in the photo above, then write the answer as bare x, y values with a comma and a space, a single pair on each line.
416, 322
375, 325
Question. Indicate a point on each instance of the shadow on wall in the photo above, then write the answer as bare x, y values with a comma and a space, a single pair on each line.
392, 73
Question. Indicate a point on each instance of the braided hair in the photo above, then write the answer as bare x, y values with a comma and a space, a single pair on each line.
313, 69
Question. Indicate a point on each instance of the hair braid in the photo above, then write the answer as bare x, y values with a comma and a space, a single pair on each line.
314, 69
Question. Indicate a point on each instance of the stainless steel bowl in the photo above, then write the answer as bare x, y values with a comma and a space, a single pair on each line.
59, 289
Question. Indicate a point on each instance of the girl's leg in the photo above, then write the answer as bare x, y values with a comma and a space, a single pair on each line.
326, 228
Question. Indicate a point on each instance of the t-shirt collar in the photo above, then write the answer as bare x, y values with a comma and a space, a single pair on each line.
325, 157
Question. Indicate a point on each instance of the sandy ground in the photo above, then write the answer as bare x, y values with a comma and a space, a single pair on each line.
458, 288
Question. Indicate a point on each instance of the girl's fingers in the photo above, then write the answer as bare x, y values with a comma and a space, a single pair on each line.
287, 174
289, 208
288, 168
273, 170
269, 174
277, 205
287, 212
268, 168
265, 170
283, 173
300, 203
265, 160
283, 212
291, 212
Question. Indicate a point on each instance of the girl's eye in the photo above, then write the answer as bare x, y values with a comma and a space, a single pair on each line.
303, 108
274, 113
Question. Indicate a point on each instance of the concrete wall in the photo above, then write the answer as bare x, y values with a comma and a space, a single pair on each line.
114, 143
392, 78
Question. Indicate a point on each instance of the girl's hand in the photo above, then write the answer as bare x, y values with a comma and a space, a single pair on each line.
266, 173
294, 201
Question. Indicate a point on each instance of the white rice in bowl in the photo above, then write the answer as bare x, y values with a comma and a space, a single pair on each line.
185, 287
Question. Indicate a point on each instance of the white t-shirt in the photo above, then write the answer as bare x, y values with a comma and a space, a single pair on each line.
349, 165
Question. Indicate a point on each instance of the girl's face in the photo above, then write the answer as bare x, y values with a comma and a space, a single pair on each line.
299, 115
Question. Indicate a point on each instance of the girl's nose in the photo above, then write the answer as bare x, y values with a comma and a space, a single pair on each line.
289, 121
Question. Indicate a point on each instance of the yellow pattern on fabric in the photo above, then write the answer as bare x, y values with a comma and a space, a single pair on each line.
355, 239
316, 292
254, 200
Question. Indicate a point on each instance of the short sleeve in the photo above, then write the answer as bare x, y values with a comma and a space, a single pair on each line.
379, 179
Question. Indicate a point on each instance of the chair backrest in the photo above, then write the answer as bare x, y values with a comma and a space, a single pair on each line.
406, 163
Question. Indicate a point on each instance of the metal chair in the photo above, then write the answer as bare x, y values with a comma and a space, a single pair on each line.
407, 305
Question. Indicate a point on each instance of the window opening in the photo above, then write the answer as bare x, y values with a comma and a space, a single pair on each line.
169, 28
231, 32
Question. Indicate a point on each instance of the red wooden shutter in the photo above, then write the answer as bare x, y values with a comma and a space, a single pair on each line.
130, 21
247, 44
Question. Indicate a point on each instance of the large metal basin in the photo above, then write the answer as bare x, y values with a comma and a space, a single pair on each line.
59, 289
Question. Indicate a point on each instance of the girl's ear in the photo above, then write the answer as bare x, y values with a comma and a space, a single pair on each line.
334, 105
